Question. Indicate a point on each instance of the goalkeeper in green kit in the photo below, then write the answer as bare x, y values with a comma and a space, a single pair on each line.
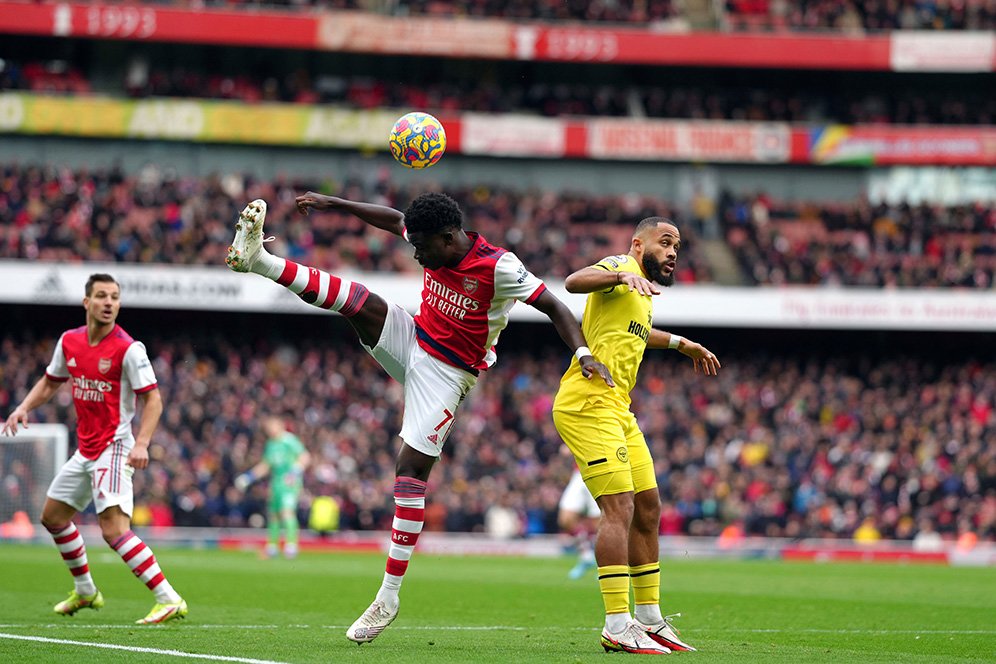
285, 459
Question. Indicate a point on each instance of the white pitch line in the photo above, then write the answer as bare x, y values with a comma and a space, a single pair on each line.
515, 628
185, 628
153, 651
734, 630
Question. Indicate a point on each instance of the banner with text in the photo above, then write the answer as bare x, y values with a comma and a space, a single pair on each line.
512, 135
218, 289
413, 35
681, 140
910, 145
942, 51
497, 135
195, 120
577, 43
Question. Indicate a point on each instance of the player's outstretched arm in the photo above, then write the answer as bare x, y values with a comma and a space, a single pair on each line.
42, 391
703, 359
594, 279
380, 216
257, 472
570, 332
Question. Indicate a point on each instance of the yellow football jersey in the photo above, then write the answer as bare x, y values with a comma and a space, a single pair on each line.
616, 325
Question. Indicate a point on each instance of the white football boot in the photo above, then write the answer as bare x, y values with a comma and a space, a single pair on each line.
665, 634
248, 242
373, 621
633, 640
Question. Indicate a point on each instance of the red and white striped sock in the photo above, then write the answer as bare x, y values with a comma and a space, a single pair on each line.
70, 544
314, 286
409, 515
143, 564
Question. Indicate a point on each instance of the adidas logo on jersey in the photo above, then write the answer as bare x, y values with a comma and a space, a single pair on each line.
71, 362
433, 438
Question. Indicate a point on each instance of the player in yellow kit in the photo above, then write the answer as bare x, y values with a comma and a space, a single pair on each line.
601, 431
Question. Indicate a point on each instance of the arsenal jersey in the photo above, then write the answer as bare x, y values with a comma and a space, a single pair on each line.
466, 307
106, 378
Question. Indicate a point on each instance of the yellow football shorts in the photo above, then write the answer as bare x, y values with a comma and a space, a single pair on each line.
609, 448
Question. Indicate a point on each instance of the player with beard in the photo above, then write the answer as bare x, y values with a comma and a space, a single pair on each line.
608, 446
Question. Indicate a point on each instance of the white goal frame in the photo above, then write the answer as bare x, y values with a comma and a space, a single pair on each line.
57, 432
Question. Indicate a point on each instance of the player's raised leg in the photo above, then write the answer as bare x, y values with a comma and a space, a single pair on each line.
57, 519
366, 311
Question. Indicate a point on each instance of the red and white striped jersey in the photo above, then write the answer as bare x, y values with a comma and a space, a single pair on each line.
465, 308
106, 378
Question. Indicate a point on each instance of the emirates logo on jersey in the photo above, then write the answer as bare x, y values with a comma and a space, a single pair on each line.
88, 389
449, 301
470, 285
104, 365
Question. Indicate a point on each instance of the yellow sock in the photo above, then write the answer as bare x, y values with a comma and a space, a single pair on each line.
646, 580
613, 580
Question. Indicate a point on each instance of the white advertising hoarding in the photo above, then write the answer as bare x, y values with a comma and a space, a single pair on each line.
218, 289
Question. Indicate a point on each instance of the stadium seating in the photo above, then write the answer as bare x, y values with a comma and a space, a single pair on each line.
58, 214
857, 16
713, 96
783, 445
787, 442
923, 246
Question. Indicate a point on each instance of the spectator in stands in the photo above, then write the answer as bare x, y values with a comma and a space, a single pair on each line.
848, 101
860, 15
783, 445
57, 214
860, 244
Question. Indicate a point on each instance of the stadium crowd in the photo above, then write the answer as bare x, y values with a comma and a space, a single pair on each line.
860, 244
614, 11
152, 217
57, 214
783, 444
800, 100
859, 16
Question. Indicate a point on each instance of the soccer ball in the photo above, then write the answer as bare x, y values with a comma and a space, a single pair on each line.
417, 140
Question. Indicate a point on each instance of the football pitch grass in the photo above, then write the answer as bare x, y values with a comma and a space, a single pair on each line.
476, 609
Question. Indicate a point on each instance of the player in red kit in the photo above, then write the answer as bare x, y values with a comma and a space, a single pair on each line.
109, 370
468, 291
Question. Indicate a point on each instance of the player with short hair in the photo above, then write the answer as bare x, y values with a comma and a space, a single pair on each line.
469, 288
109, 369
608, 446
284, 459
